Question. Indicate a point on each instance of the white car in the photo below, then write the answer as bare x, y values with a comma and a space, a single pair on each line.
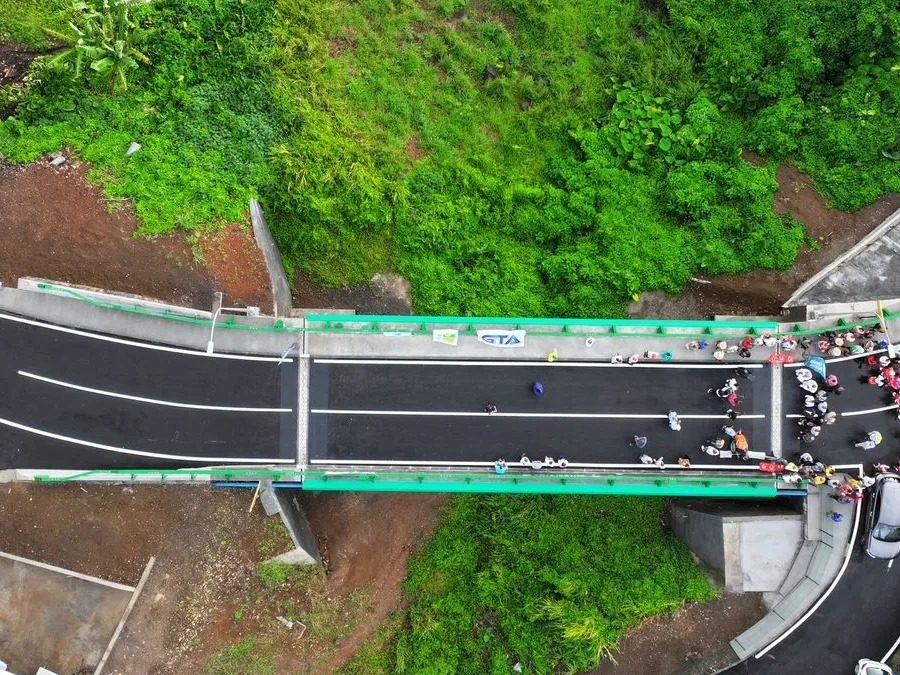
869, 667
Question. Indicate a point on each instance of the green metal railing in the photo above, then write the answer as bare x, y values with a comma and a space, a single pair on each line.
581, 328
227, 322
638, 485
367, 323
421, 325
176, 475
683, 485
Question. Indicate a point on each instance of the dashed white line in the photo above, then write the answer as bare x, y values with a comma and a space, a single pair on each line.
154, 401
555, 364
143, 345
142, 453
439, 413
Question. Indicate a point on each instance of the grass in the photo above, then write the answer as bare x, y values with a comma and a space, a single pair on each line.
241, 658
548, 582
21, 21
506, 157
375, 656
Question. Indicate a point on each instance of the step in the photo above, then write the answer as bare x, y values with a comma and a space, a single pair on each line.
798, 568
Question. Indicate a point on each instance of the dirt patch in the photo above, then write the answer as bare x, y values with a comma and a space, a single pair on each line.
663, 643
368, 539
54, 224
235, 262
762, 292
342, 43
414, 149
364, 298
14, 63
205, 593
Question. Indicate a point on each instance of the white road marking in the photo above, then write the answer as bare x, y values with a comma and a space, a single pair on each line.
775, 409
866, 412
141, 453
144, 345
830, 589
890, 652
514, 464
555, 364
154, 401
67, 573
438, 413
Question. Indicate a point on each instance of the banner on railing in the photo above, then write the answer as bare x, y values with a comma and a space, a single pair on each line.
446, 336
502, 338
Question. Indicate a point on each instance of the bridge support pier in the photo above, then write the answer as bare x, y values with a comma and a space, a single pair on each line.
284, 502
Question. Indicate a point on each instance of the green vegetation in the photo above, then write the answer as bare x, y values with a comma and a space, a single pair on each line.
507, 157
548, 582
242, 658
202, 112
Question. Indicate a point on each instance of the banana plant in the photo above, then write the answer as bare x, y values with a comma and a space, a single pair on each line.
101, 36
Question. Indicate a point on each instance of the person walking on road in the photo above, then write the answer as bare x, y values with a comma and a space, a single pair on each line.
872, 439
640, 442
674, 421
490, 408
537, 389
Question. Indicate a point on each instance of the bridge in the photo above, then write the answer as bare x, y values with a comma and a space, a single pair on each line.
98, 385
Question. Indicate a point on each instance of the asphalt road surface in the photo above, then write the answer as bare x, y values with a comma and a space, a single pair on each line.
858, 620
76, 400
401, 411
858, 413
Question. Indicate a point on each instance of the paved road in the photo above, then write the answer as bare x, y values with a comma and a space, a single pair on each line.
859, 619
402, 411
73, 400
835, 443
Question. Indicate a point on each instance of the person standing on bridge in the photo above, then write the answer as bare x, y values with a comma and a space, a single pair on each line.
490, 408
872, 439
674, 421
500, 467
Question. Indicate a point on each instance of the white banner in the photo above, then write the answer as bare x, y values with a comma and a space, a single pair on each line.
502, 338
446, 336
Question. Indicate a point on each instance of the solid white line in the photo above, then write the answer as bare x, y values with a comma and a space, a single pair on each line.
141, 453
775, 403
144, 345
141, 399
556, 364
866, 412
890, 652
437, 413
68, 573
838, 359
514, 463
831, 588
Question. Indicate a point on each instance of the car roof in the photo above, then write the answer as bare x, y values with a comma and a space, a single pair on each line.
890, 503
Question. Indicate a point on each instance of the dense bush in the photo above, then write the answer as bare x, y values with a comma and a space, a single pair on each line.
203, 114
550, 582
506, 156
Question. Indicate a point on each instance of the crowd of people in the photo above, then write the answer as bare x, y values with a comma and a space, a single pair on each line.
815, 389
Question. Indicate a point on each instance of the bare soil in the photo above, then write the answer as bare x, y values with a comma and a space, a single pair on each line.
663, 643
56, 225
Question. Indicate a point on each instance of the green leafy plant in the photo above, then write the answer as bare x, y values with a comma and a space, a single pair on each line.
102, 36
